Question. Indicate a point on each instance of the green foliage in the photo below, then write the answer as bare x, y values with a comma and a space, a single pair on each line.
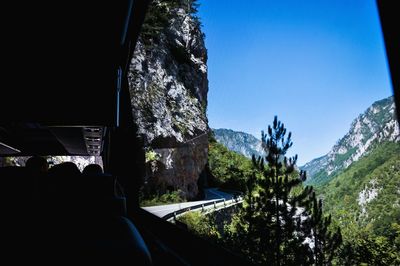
156, 21
159, 16
204, 106
162, 199
151, 156
325, 241
229, 169
151, 159
365, 249
319, 178
211, 137
380, 169
369, 235
200, 224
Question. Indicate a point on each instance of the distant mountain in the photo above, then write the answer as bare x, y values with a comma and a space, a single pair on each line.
240, 142
376, 125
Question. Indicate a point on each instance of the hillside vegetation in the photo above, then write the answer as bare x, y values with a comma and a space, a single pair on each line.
364, 201
229, 169
369, 189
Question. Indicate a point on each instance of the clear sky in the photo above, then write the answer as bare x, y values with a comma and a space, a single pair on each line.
316, 64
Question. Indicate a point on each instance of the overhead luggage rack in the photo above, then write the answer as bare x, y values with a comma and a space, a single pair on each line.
93, 137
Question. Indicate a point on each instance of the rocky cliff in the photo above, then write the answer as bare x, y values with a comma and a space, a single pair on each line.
168, 85
376, 125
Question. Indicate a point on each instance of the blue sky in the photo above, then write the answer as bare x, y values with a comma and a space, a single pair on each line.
315, 64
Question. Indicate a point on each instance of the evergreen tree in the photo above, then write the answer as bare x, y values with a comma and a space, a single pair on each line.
281, 219
270, 223
325, 242
159, 16
287, 246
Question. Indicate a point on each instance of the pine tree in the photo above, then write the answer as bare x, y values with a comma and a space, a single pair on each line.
278, 184
325, 242
281, 222
270, 223
159, 16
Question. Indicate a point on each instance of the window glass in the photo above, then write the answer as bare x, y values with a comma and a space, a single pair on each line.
214, 83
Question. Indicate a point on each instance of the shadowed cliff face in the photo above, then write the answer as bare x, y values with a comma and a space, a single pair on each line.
168, 86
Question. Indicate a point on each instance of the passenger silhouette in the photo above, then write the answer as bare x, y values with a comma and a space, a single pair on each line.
36, 170
63, 179
92, 169
37, 164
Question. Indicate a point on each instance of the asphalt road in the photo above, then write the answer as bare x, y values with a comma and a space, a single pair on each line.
211, 194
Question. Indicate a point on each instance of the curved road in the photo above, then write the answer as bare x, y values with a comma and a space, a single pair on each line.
211, 195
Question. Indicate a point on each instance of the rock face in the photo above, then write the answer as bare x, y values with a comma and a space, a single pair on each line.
369, 193
239, 142
168, 85
377, 124
180, 167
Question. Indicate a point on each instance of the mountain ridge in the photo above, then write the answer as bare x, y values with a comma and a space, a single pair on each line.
376, 124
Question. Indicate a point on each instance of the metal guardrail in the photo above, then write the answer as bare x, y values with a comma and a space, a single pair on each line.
174, 214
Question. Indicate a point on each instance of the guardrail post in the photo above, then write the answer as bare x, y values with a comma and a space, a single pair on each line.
224, 203
202, 207
175, 216
215, 205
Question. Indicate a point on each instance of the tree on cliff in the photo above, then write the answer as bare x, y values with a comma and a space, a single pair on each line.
159, 16
277, 223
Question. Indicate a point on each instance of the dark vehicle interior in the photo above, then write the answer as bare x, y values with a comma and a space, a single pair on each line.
65, 92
